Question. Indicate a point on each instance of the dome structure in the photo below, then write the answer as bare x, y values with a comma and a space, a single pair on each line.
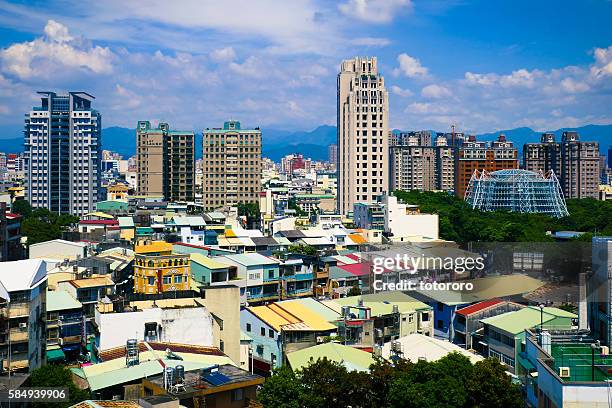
516, 190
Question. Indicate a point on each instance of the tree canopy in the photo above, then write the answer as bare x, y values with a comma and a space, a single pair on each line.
452, 382
459, 222
51, 375
40, 224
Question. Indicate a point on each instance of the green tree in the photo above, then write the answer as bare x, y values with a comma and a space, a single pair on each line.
302, 249
44, 225
281, 390
22, 207
56, 376
490, 386
354, 291
251, 212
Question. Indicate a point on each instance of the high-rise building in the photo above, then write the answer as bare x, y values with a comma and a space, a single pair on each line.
62, 153
575, 163
474, 156
418, 166
165, 162
363, 127
231, 165
332, 154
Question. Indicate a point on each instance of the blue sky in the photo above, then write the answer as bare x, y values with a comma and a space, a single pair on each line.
481, 65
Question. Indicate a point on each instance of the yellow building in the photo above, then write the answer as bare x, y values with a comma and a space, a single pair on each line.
117, 192
158, 270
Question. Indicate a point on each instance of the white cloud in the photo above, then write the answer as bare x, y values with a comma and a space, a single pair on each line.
480, 79
435, 91
410, 67
226, 54
401, 91
603, 62
572, 86
50, 55
374, 11
520, 78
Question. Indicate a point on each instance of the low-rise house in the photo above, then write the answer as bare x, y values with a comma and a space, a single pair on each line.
468, 320
283, 327
121, 371
504, 334
260, 274
351, 358
64, 326
369, 320
23, 290
88, 291
296, 278
158, 270
209, 271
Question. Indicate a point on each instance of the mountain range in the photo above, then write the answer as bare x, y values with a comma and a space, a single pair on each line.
278, 143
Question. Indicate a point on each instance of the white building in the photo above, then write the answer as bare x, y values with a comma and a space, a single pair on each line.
405, 222
185, 321
363, 127
63, 153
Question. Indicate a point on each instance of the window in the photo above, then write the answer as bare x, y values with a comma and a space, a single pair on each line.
271, 333
263, 331
151, 281
221, 345
440, 324
237, 395
248, 327
167, 280
440, 307
178, 279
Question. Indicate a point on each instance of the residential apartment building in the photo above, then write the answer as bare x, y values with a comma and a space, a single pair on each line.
23, 290
475, 155
64, 326
575, 163
600, 290
418, 166
63, 138
158, 270
332, 154
231, 165
165, 162
363, 126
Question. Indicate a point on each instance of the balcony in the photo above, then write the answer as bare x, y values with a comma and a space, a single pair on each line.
304, 276
19, 310
18, 335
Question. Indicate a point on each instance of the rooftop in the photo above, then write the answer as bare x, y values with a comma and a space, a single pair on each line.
61, 300
93, 282
352, 358
477, 307
381, 303
207, 262
415, 347
251, 259
517, 321
22, 275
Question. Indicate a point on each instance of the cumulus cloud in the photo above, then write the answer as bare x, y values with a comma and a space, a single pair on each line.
401, 91
374, 11
410, 67
435, 91
603, 62
226, 54
48, 55
371, 41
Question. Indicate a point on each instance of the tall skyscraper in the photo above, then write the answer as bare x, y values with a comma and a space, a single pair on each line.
332, 154
475, 155
62, 153
363, 126
418, 166
231, 165
575, 163
165, 162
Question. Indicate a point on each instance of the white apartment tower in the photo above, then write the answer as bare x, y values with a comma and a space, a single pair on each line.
363, 125
62, 156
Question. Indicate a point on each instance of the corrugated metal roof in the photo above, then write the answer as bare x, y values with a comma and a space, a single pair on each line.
207, 262
517, 321
352, 358
380, 303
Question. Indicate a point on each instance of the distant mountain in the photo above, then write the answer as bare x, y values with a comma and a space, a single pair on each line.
277, 143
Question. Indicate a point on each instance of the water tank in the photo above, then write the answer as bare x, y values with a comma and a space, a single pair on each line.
169, 377
346, 310
179, 370
395, 309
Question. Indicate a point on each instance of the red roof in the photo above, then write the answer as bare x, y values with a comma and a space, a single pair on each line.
477, 307
99, 222
354, 257
357, 269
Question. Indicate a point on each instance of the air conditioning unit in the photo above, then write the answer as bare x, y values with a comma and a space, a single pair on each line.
60, 341
23, 326
564, 372
320, 339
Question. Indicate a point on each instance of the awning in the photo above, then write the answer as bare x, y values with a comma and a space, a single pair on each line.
55, 355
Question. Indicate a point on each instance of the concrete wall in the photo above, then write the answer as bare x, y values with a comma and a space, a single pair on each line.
179, 325
265, 343
223, 302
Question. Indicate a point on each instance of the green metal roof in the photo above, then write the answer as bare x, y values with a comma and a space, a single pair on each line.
125, 222
111, 205
61, 300
517, 321
252, 259
381, 303
353, 359
55, 355
207, 262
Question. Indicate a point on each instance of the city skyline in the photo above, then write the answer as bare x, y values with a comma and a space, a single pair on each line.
502, 75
